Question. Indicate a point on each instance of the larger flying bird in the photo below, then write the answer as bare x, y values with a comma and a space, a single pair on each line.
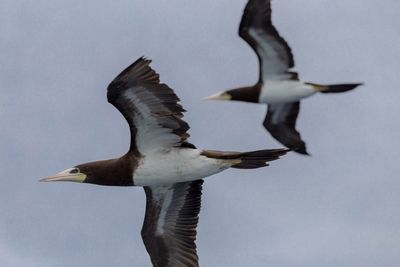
277, 86
163, 162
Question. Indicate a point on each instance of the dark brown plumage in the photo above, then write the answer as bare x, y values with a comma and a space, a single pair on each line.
115, 172
282, 125
247, 160
247, 94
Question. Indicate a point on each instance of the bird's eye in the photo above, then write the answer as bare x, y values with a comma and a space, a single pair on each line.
74, 171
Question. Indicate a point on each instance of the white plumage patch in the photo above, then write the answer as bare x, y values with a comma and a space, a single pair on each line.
175, 166
162, 196
150, 134
273, 55
286, 91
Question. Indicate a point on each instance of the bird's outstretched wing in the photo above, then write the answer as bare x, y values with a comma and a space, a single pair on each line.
281, 123
169, 228
151, 108
274, 54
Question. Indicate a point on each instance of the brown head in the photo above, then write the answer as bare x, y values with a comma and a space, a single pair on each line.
113, 172
245, 94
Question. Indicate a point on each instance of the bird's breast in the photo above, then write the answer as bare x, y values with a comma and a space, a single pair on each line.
174, 166
273, 92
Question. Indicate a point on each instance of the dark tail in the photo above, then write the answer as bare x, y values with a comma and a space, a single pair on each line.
335, 88
247, 160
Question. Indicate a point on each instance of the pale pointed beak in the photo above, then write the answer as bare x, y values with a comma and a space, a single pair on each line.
65, 177
218, 96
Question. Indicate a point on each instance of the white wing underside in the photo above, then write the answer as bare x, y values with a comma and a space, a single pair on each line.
151, 109
150, 135
162, 196
273, 64
169, 229
274, 54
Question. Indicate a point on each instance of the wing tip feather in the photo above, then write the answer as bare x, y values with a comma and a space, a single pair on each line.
138, 71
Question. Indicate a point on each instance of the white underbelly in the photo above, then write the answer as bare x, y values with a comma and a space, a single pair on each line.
178, 165
274, 92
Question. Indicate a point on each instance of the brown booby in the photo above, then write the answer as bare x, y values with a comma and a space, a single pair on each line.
277, 86
163, 162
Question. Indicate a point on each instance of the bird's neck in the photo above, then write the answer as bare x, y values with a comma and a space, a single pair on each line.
112, 172
246, 94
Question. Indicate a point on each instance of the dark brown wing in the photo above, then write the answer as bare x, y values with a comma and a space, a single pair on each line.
169, 228
273, 52
281, 123
151, 108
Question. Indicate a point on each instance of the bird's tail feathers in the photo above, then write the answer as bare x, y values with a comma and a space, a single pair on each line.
334, 88
247, 160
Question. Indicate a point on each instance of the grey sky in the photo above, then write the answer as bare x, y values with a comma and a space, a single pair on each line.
339, 207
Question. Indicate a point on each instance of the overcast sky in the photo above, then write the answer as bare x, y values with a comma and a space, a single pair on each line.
339, 207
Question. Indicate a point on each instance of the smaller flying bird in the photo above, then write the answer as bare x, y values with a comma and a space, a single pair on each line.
277, 86
163, 162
